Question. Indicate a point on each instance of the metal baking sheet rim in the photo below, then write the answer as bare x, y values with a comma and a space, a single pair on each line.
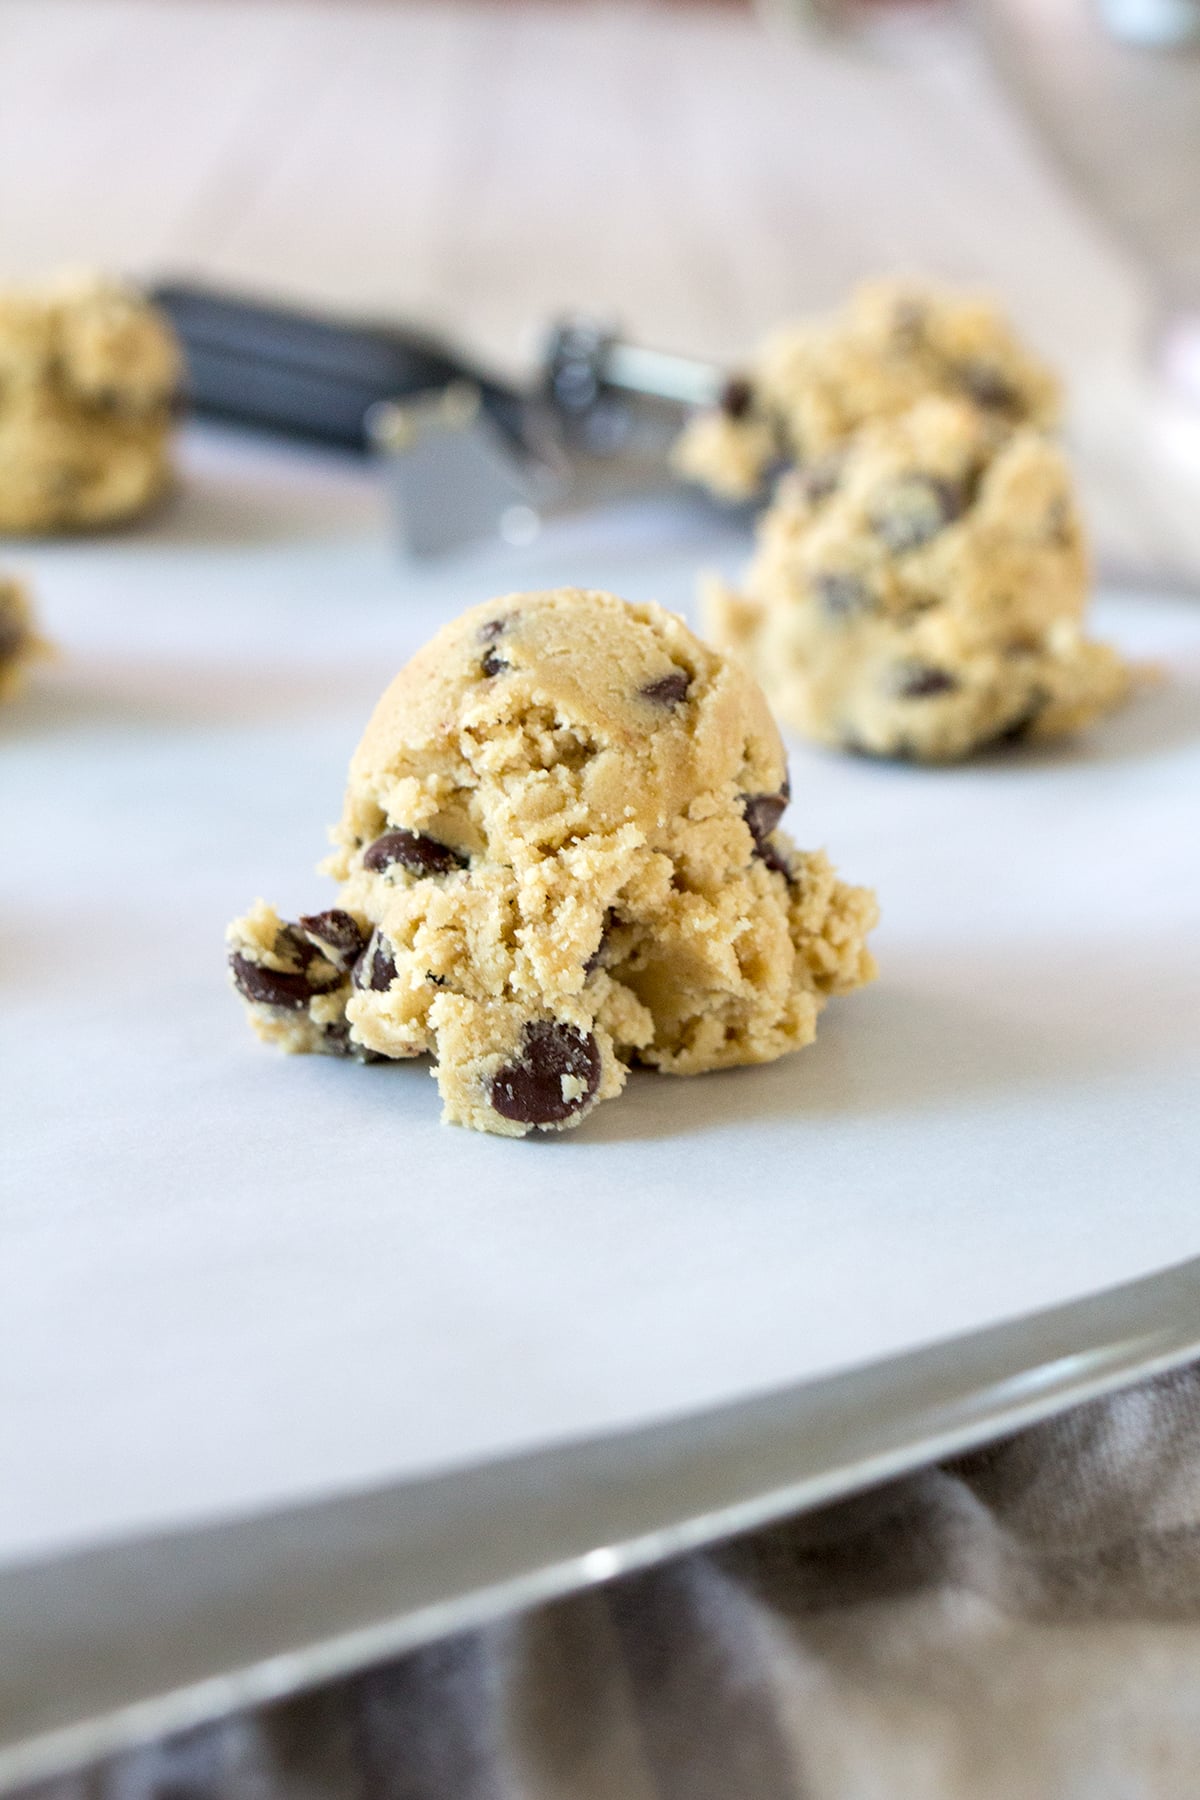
105, 1648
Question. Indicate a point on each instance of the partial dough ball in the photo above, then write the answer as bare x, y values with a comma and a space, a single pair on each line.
924, 595
559, 854
20, 643
88, 373
813, 385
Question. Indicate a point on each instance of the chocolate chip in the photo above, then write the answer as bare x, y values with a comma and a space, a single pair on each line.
989, 388
493, 664
762, 813
1023, 724
917, 509
375, 968
491, 630
529, 1089
668, 690
597, 959
737, 397
843, 596
270, 987
920, 681
419, 854
337, 1041
335, 931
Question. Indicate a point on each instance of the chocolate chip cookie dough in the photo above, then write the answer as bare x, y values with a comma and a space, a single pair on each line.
924, 596
813, 385
20, 643
560, 854
87, 375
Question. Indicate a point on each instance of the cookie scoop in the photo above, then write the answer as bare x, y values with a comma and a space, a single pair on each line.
559, 855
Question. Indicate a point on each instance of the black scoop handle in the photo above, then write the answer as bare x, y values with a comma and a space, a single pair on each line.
282, 369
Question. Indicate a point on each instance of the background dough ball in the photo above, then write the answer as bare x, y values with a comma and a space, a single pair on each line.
927, 597
20, 643
560, 854
813, 385
88, 374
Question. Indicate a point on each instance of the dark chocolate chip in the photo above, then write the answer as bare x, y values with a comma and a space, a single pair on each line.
271, 987
597, 959
493, 664
338, 1042
737, 397
917, 509
335, 931
920, 681
762, 813
336, 1039
668, 690
843, 596
375, 968
490, 631
989, 388
529, 1089
1023, 724
774, 860
419, 854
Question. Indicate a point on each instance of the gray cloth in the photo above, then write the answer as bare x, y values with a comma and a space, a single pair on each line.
1022, 1624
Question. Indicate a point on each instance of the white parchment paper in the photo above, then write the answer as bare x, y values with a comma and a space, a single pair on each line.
230, 1279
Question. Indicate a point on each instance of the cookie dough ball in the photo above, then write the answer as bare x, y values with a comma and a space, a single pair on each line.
88, 372
813, 385
929, 598
20, 643
560, 854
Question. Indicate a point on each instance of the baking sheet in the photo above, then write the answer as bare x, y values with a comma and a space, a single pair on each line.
230, 1280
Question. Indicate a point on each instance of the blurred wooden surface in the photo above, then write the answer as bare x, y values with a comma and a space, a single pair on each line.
480, 166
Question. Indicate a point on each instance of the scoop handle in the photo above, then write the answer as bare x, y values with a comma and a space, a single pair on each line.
283, 369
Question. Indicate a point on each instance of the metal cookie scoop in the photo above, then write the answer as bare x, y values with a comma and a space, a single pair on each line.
467, 456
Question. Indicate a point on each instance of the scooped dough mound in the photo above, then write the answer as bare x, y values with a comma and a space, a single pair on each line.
813, 385
19, 641
88, 371
560, 854
925, 597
